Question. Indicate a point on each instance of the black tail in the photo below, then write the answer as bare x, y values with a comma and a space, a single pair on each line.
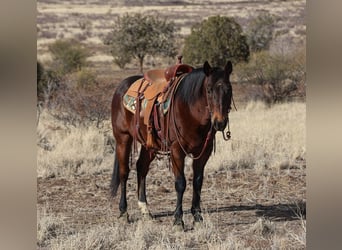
115, 182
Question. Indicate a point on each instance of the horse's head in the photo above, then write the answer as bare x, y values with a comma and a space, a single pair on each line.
219, 94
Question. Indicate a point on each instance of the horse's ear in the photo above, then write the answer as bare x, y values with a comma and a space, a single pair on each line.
228, 68
207, 68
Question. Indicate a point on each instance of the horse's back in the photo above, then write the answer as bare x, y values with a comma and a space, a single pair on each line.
125, 84
120, 91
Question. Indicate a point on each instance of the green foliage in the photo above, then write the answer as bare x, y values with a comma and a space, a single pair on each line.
285, 73
68, 56
137, 35
216, 39
260, 32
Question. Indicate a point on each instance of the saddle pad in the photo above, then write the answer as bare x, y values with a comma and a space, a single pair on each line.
130, 101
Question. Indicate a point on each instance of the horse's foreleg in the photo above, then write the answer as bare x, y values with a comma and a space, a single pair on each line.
198, 170
196, 194
180, 185
122, 152
143, 164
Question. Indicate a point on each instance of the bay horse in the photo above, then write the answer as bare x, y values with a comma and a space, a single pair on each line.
199, 108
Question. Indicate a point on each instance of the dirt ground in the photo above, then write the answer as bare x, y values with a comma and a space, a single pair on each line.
234, 199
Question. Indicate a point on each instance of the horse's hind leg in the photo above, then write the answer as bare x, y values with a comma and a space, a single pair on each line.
143, 164
123, 149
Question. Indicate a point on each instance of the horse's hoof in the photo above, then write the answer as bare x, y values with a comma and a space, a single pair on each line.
123, 217
178, 225
198, 218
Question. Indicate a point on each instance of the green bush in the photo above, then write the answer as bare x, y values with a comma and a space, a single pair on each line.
284, 73
137, 35
216, 39
68, 56
260, 32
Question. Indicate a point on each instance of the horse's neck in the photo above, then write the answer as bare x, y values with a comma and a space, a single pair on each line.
200, 112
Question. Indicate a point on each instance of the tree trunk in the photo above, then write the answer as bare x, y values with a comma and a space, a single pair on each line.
141, 64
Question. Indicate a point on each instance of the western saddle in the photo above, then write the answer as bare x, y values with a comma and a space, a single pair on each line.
154, 89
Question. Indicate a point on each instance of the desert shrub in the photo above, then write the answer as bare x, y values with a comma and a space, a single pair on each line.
85, 79
216, 39
47, 84
260, 32
40, 71
68, 56
137, 35
283, 73
81, 107
41, 81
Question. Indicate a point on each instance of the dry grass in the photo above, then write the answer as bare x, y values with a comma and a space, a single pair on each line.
253, 193
263, 138
151, 235
66, 151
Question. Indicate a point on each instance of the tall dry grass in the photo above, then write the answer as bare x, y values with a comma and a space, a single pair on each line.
66, 151
264, 140
263, 137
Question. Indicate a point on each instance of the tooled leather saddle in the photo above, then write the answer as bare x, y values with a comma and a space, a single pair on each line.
153, 89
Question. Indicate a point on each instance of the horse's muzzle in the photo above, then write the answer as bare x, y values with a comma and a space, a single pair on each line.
220, 125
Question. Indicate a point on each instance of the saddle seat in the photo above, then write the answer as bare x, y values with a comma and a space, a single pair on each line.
156, 76
161, 75
176, 71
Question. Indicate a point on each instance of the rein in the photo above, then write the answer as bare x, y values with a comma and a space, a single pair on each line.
177, 132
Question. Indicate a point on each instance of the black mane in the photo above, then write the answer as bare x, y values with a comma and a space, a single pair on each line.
190, 87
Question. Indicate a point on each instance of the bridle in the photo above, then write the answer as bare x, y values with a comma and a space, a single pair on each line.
226, 136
